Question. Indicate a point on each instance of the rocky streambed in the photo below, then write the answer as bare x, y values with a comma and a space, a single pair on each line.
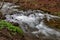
35, 23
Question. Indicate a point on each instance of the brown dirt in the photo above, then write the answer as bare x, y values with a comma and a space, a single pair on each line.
54, 23
46, 5
5, 34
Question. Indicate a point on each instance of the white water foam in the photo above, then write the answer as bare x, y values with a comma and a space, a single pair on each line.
34, 21
31, 18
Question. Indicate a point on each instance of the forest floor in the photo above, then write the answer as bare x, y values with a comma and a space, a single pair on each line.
5, 34
51, 6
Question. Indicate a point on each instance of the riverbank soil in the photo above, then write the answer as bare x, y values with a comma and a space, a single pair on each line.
5, 34
52, 6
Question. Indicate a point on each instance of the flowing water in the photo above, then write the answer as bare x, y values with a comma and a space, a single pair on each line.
31, 22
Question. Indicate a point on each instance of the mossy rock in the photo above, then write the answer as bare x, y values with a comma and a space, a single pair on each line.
10, 27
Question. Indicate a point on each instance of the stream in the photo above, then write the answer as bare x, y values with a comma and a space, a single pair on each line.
31, 21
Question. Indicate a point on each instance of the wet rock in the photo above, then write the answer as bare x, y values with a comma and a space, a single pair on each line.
54, 23
35, 23
2, 16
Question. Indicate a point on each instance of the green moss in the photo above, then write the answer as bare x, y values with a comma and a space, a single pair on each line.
58, 13
10, 27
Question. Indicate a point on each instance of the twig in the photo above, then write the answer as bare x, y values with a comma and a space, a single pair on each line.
2, 4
